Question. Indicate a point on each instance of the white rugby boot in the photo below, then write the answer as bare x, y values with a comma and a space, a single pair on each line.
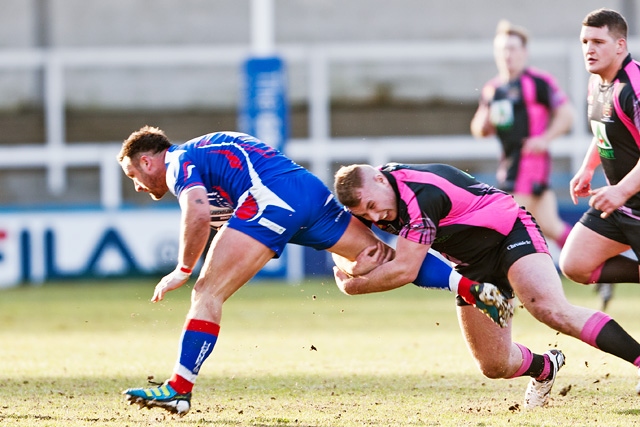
537, 393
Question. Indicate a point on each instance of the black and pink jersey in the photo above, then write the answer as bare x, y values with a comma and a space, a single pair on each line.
520, 109
446, 208
614, 117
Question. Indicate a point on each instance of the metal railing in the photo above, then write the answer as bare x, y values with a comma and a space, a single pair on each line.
319, 150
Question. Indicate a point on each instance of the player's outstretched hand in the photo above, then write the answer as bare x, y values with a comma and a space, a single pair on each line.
171, 281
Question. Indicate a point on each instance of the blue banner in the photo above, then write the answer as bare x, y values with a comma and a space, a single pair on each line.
263, 106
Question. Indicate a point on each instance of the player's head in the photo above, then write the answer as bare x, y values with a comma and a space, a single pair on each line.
142, 159
615, 23
148, 139
510, 48
604, 42
366, 192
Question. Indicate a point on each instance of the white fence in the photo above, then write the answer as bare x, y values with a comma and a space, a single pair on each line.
319, 150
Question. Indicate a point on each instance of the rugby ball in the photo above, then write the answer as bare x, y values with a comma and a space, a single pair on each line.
219, 216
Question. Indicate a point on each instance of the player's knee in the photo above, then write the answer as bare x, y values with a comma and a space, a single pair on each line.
493, 369
204, 298
573, 271
575, 275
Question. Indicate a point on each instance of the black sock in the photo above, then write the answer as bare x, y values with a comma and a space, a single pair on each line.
536, 367
615, 340
619, 269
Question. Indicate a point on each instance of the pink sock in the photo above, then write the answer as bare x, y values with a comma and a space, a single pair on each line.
592, 328
595, 274
527, 358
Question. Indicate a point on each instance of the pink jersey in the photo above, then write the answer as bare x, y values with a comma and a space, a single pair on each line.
520, 109
448, 209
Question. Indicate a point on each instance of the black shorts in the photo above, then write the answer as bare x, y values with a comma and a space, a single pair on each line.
524, 239
617, 226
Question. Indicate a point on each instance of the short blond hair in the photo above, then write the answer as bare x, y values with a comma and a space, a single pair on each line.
348, 180
506, 28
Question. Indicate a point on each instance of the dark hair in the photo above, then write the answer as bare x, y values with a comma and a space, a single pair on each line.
607, 18
347, 181
148, 139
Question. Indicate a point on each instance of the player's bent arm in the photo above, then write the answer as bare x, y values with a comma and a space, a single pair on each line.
393, 274
580, 184
630, 184
356, 239
561, 121
624, 190
592, 157
368, 259
194, 233
194, 225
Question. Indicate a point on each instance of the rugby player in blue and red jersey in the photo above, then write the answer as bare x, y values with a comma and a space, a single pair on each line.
484, 231
270, 201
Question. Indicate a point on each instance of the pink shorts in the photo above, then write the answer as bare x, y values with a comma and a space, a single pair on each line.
533, 174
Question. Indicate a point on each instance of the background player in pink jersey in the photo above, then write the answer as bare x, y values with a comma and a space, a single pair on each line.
438, 206
527, 110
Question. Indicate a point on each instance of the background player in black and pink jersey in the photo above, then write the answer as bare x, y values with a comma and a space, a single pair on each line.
490, 238
527, 110
612, 224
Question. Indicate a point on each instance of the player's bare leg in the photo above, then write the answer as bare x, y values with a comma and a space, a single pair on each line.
586, 251
233, 259
491, 347
539, 288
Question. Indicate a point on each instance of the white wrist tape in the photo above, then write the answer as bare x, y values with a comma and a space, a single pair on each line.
181, 273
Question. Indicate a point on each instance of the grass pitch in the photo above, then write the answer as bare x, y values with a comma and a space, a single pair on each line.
303, 355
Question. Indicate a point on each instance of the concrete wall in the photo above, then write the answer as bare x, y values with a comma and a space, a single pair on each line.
99, 23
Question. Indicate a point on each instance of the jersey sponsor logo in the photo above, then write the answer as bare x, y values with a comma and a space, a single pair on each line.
518, 244
605, 148
501, 114
271, 225
605, 99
